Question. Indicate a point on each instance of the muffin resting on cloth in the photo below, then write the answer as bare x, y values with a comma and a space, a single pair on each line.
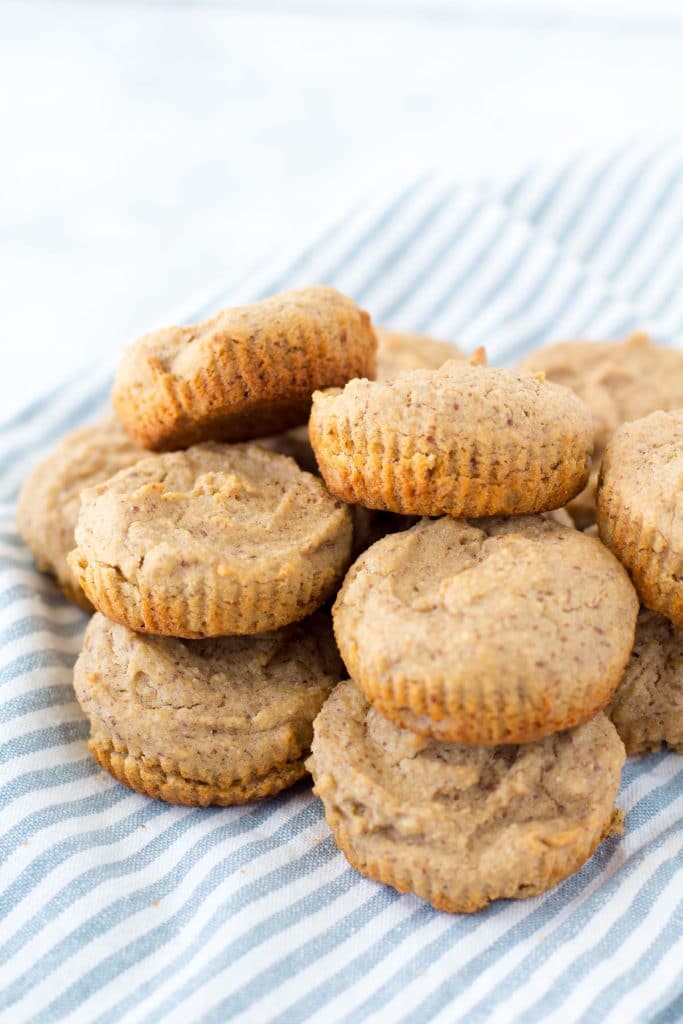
461, 826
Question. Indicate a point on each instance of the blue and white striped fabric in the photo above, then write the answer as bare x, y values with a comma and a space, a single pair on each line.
116, 909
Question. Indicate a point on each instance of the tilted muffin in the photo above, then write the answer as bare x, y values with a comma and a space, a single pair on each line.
461, 826
466, 440
247, 372
51, 496
618, 381
199, 722
647, 709
487, 632
218, 539
640, 508
398, 351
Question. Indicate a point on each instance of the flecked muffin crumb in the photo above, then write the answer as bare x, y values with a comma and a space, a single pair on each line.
487, 632
465, 440
461, 826
215, 540
217, 721
247, 372
619, 381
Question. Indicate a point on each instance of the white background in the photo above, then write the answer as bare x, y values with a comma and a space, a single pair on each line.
152, 153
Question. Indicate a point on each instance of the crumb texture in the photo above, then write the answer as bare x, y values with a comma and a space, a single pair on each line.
215, 718
247, 372
618, 381
467, 440
461, 826
487, 632
218, 539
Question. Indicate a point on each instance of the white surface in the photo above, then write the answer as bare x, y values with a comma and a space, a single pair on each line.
153, 152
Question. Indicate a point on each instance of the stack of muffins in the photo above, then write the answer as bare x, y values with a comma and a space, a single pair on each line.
207, 562
469, 757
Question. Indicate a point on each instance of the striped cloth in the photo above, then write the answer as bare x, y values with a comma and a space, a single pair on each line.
120, 909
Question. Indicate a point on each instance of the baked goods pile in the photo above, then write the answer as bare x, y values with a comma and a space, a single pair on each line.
500, 668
